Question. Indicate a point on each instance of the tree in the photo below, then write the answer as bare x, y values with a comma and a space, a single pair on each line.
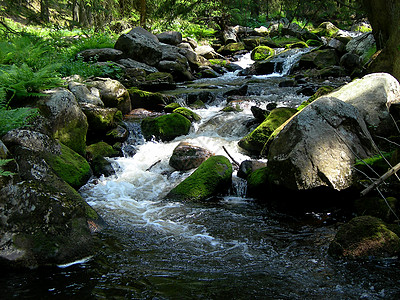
383, 16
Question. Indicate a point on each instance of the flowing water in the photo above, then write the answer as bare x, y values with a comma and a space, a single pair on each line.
231, 247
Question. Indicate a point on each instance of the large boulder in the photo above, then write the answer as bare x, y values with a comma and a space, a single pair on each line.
65, 119
319, 59
319, 146
140, 45
170, 37
112, 93
147, 100
211, 178
84, 95
364, 237
255, 141
186, 156
361, 45
166, 127
372, 96
102, 54
43, 220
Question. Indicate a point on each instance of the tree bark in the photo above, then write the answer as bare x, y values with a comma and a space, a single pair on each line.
143, 13
44, 10
384, 17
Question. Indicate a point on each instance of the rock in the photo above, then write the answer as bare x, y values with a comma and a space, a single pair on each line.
101, 120
337, 45
313, 148
262, 30
192, 42
361, 45
187, 113
259, 113
64, 118
170, 37
212, 177
158, 81
241, 91
350, 62
372, 96
187, 156
3, 151
208, 72
377, 207
112, 93
166, 127
205, 96
96, 154
117, 135
326, 29
231, 48
102, 54
319, 59
324, 90
179, 69
249, 166
84, 95
255, 141
139, 44
133, 64
206, 51
287, 83
147, 100
364, 237
171, 107
262, 53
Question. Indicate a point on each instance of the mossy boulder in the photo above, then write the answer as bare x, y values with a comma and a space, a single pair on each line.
189, 114
300, 44
147, 100
319, 59
326, 29
96, 154
377, 207
364, 237
231, 48
254, 142
166, 127
101, 120
171, 107
186, 156
70, 166
262, 53
211, 178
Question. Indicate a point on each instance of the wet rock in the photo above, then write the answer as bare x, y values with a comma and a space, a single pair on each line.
364, 237
259, 113
288, 83
377, 207
319, 59
350, 62
313, 149
112, 93
187, 156
147, 100
117, 135
65, 120
102, 54
166, 127
187, 113
204, 96
241, 91
231, 48
207, 52
249, 166
133, 64
140, 45
255, 141
96, 154
211, 178
361, 45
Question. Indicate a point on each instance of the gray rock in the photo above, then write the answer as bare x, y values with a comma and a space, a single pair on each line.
130, 63
187, 156
170, 37
84, 95
318, 147
103, 54
360, 45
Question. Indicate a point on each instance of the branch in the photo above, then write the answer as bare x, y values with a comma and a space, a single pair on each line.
380, 180
233, 160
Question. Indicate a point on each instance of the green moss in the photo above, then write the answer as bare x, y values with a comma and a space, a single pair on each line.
232, 48
211, 177
232, 108
165, 127
171, 107
197, 104
262, 53
100, 149
73, 135
70, 166
187, 113
300, 44
363, 237
219, 62
254, 142
160, 76
314, 43
324, 90
144, 99
377, 163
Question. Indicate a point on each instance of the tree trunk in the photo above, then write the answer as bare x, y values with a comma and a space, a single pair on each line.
384, 16
44, 11
143, 13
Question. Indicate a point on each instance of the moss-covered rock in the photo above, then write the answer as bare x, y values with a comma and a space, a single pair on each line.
189, 114
231, 48
100, 149
211, 178
262, 53
166, 127
363, 237
186, 156
70, 166
324, 90
254, 142
319, 59
377, 207
300, 44
326, 29
147, 100
171, 107
101, 120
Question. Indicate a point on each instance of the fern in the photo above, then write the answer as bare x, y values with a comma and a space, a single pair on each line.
16, 118
3, 162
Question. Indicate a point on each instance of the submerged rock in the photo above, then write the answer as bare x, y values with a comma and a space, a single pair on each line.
187, 156
364, 237
212, 177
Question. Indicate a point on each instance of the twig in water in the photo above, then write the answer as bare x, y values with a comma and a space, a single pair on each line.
230, 156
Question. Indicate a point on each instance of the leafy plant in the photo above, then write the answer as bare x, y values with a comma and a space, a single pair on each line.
3, 162
16, 118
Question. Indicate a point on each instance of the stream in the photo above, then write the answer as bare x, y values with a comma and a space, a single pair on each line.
230, 248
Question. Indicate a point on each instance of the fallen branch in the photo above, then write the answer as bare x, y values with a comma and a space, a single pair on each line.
380, 180
149, 168
230, 156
